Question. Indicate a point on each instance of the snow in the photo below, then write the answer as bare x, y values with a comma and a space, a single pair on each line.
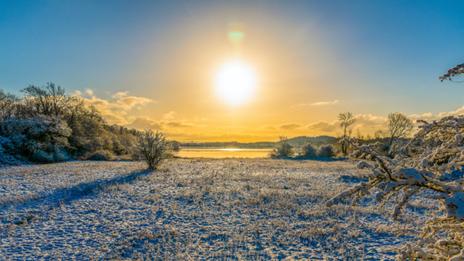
455, 205
193, 208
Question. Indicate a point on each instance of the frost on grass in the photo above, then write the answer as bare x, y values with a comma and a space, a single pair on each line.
430, 165
252, 209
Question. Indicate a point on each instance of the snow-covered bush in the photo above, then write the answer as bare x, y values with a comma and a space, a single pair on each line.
436, 150
283, 150
5, 157
39, 139
326, 151
153, 148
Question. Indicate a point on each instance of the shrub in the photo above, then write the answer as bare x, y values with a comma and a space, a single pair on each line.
41, 156
153, 148
326, 151
309, 152
5, 158
101, 155
38, 139
61, 155
283, 151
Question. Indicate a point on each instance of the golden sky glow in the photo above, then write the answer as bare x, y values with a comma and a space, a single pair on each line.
230, 87
241, 70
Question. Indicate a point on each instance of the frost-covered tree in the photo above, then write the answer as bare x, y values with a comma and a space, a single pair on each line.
49, 100
7, 105
39, 139
41, 106
399, 126
431, 162
345, 119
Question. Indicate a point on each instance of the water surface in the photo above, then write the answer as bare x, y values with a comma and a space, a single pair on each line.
218, 153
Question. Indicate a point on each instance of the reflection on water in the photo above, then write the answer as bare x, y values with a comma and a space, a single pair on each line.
223, 153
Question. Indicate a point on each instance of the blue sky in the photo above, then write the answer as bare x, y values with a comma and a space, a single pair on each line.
373, 56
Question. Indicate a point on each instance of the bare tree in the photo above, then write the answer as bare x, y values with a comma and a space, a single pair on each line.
399, 126
7, 105
346, 120
49, 100
378, 134
153, 148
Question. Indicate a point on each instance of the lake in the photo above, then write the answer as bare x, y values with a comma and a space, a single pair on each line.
219, 153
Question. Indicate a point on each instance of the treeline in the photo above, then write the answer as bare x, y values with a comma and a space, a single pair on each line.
295, 142
231, 144
47, 125
398, 129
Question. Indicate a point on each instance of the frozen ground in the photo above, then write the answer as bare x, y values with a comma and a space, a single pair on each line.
230, 209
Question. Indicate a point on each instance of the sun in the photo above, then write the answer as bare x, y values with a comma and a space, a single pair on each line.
235, 82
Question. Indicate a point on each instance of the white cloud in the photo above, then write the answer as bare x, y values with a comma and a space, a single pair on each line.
171, 115
116, 109
323, 127
89, 92
144, 123
324, 103
319, 103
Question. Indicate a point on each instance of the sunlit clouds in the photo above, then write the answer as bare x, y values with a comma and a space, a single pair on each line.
318, 103
118, 108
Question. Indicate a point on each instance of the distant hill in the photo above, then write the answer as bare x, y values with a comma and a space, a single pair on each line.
296, 142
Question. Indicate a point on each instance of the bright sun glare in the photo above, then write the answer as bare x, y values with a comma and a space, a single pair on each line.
235, 82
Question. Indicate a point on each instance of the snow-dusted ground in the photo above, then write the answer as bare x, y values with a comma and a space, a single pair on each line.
193, 209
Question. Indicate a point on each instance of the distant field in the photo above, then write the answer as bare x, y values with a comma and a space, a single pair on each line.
235, 209
222, 153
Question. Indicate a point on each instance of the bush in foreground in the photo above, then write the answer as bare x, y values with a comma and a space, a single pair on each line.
153, 148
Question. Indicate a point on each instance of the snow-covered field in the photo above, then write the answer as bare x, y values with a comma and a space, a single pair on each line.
193, 209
